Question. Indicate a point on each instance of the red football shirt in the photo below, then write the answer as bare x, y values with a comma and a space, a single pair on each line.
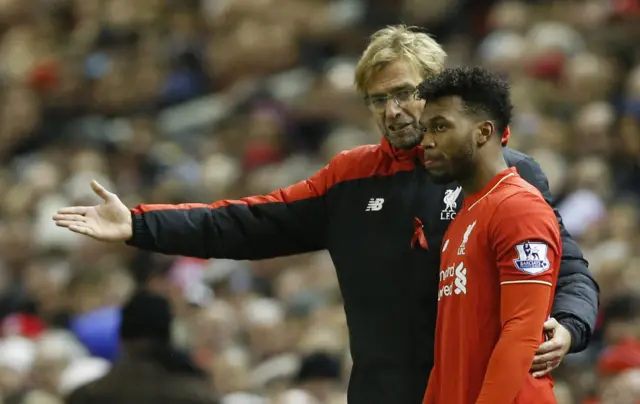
500, 260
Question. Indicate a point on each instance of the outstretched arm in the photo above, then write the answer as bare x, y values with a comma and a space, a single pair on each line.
288, 221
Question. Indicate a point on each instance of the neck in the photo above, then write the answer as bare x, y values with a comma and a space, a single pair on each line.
484, 171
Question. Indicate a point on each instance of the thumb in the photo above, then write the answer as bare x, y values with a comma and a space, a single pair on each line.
550, 324
100, 191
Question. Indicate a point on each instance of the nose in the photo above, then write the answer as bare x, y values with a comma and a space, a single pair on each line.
393, 108
428, 140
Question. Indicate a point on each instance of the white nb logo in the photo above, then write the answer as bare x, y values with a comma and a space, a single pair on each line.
450, 202
375, 204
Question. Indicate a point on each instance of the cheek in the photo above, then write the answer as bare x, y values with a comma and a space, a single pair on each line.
416, 108
447, 145
454, 147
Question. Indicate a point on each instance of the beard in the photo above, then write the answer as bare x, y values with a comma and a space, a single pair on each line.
440, 178
458, 168
405, 139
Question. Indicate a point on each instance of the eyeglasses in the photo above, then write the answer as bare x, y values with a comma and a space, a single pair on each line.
379, 102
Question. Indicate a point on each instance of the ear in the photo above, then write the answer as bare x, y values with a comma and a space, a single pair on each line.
485, 131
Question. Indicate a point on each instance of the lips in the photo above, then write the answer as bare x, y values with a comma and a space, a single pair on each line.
399, 126
432, 161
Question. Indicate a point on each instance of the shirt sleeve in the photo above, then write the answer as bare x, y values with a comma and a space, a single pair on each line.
526, 240
575, 304
430, 394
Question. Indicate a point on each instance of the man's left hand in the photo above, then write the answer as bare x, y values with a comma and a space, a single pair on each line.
551, 352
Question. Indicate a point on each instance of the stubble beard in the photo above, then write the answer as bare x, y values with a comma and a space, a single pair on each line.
406, 141
461, 167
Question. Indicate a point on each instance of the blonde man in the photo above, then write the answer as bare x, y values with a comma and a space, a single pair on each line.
379, 215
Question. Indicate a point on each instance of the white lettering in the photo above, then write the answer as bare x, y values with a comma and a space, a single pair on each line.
446, 273
457, 285
445, 290
444, 215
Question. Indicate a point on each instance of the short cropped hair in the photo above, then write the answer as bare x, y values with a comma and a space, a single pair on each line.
399, 42
481, 91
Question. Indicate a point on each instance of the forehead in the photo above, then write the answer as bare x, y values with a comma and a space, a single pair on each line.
448, 107
397, 74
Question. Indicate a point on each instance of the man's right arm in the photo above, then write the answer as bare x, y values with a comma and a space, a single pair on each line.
288, 221
526, 290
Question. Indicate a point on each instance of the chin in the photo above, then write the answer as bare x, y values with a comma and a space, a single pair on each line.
439, 177
405, 141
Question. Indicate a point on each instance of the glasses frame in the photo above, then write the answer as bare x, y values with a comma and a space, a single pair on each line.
400, 97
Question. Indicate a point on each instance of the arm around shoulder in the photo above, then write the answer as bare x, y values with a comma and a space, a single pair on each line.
576, 301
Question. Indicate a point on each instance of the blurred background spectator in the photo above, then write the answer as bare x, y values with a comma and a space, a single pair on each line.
197, 100
148, 368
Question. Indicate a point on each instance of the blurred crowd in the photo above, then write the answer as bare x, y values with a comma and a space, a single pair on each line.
173, 101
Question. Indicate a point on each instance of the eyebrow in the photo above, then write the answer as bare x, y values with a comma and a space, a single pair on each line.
437, 117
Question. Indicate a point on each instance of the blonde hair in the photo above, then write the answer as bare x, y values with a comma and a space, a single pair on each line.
399, 42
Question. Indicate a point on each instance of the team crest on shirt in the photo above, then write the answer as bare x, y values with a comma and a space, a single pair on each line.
465, 238
532, 257
451, 203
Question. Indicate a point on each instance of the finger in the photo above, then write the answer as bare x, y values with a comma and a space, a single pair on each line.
548, 368
555, 364
549, 357
541, 373
74, 210
101, 191
69, 218
69, 223
81, 229
548, 346
538, 367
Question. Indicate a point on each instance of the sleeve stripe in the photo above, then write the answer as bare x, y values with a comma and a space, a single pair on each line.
530, 281
300, 191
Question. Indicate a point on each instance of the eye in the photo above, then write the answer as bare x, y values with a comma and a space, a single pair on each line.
440, 128
403, 95
381, 101
378, 102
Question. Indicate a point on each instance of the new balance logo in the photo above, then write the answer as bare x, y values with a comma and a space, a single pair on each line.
375, 204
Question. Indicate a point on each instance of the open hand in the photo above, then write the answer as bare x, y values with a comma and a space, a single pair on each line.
109, 221
551, 352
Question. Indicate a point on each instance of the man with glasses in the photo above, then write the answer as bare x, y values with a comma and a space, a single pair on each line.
380, 217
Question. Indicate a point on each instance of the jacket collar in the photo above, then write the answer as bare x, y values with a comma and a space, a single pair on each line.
401, 155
